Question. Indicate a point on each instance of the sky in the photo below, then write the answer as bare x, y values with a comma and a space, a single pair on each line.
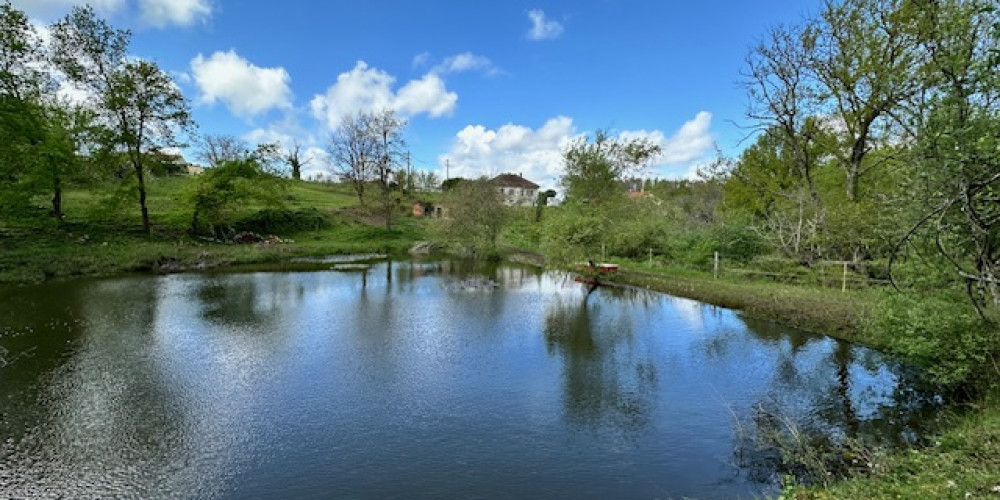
486, 87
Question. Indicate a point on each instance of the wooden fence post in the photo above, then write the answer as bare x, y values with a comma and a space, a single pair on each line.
843, 283
716, 267
650, 257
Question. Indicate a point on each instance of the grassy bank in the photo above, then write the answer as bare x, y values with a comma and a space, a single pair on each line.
816, 309
963, 462
101, 238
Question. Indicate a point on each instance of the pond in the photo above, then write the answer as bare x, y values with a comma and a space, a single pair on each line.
409, 380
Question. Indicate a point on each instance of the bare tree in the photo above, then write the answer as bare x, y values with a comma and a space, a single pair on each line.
783, 96
214, 149
354, 151
388, 129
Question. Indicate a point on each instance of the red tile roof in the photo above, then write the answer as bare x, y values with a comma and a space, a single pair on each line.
512, 180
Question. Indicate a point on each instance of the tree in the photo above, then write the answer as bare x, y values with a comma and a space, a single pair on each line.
427, 182
542, 202
139, 105
228, 186
595, 168
353, 151
215, 149
22, 122
955, 192
864, 58
783, 97
476, 216
295, 159
388, 128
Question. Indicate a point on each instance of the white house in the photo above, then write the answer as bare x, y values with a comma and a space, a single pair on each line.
516, 190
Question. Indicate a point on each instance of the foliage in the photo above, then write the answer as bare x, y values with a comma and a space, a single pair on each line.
942, 333
282, 221
573, 233
140, 107
595, 167
227, 187
476, 215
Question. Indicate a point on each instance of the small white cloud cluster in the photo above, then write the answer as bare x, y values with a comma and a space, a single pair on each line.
247, 90
537, 154
458, 63
543, 28
155, 13
162, 13
365, 88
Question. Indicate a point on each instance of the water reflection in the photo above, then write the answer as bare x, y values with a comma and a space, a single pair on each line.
389, 382
605, 386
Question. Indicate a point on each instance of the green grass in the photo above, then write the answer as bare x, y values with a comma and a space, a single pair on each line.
962, 462
102, 238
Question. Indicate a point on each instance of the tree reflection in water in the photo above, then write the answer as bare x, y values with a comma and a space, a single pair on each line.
822, 419
608, 387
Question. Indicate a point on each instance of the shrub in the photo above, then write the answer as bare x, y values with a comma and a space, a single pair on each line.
282, 221
944, 335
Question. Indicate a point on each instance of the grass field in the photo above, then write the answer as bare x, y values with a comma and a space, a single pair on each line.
101, 237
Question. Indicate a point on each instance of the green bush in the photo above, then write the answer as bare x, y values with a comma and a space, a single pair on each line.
740, 242
943, 334
282, 221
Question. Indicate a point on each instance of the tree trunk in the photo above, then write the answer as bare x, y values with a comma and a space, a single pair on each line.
142, 196
57, 199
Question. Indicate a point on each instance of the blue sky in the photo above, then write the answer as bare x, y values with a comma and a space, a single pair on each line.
487, 87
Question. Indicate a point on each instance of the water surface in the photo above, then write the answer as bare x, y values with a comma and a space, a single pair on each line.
400, 382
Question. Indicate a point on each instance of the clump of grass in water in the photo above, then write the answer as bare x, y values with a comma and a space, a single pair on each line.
772, 444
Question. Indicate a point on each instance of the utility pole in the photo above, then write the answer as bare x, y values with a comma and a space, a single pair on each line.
447, 169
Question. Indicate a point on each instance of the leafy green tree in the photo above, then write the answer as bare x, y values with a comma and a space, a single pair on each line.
595, 168
542, 202
476, 217
229, 187
140, 107
864, 56
22, 88
955, 192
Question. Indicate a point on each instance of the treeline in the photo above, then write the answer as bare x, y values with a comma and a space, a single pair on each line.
126, 111
877, 143
879, 139
77, 110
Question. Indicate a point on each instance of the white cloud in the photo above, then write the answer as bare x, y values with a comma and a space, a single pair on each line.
156, 13
247, 90
365, 89
50, 9
420, 60
691, 142
162, 13
466, 61
537, 154
543, 28
426, 95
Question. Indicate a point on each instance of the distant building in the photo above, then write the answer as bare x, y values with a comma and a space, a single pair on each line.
516, 190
